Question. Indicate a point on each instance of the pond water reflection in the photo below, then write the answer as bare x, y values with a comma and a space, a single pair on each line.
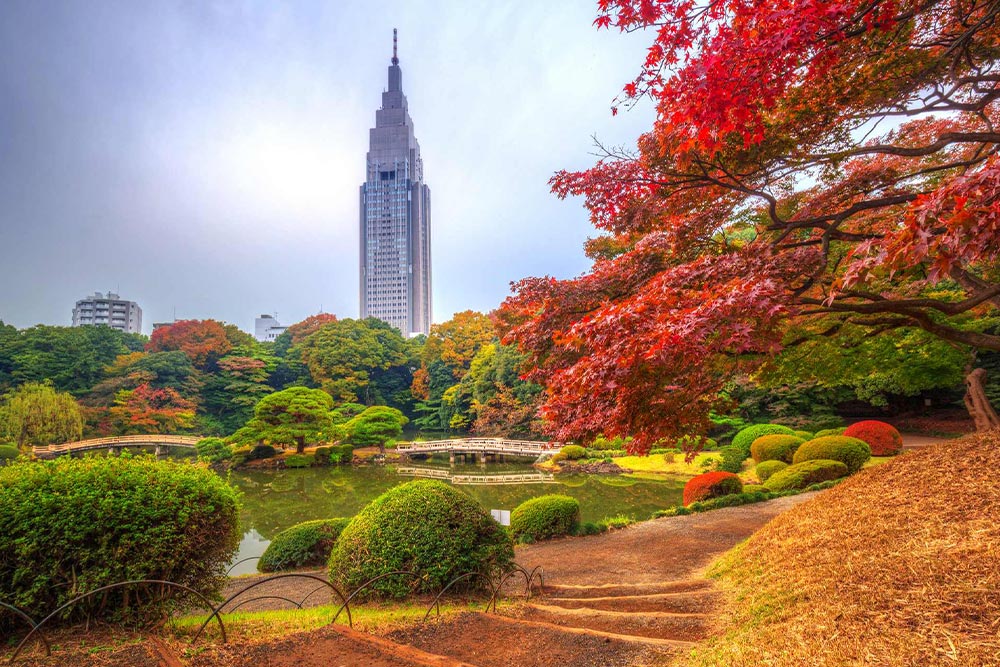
274, 500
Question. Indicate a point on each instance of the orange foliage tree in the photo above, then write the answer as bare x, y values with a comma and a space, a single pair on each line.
203, 341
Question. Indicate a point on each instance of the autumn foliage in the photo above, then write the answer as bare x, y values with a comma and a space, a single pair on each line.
809, 160
203, 341
711, 485
883, 438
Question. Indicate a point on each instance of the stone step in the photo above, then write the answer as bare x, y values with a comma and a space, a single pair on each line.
680, 602
491, 640
618, 590
669, 626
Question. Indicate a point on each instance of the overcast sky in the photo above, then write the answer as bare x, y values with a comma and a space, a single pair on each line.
204, 157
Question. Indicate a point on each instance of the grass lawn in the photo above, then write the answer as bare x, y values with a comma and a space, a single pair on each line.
261, 625
667, 464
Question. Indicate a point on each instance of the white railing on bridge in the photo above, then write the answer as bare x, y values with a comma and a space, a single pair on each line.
119, 441
461, 478
490, 445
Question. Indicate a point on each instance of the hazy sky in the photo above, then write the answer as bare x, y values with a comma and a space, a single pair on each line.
204, 157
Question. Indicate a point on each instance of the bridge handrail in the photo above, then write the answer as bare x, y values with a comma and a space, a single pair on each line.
186, 440
529, 446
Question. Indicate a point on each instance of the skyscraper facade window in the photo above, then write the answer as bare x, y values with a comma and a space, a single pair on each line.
395, 218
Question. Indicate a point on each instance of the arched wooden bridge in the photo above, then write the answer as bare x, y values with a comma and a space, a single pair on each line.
118, 442
481, 447
483, 479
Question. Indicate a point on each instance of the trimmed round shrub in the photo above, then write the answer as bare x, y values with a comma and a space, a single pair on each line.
322, 455
425, 527
213, 450
261, 452
779, 447
573, 452
829, 431
9, 452
344, 454
711, 485
305, 544
766, 469
745, 438
76, 524
754, 488
801, 475
545, 516
299, 460
883, 438
805, 435
850, 451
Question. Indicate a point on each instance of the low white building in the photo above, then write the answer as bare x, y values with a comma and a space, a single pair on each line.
266, 328
108, 310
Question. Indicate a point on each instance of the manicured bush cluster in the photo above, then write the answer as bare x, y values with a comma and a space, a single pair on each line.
322, 454
342, 454
73, 525
829, 431
544, 517
573, 452
801, 475
8, 453
778, 447
805, 435
765, 469
732, 459
752, 493
303, 545
299, 460
425, 527
883, 438
850, 451
606, 453
213, 450
745, 438
262, 452
711, 485
614, 444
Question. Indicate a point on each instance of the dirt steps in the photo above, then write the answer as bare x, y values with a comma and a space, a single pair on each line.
491, 640
693, 602
626, 590
661, 625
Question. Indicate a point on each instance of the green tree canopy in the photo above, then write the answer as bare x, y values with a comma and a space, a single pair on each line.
36, 414
377, 426
297, 415
344, 357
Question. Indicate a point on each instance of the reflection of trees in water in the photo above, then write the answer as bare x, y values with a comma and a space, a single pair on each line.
278, 499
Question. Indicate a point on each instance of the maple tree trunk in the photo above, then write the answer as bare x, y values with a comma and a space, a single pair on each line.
977, 403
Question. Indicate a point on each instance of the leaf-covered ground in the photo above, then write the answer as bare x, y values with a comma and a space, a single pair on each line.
899, 565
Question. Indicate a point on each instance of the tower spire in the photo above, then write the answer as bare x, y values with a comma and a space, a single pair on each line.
395, 59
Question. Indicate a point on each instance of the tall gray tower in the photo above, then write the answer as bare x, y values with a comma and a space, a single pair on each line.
395, 218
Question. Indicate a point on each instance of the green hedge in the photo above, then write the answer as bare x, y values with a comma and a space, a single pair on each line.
801, 475
775, 447
745, 438
425, 527
766, 469
9, 452
72, 525
545, 516
213, 450
303, 545
299, 460
342, 454
732, 459
830, 431
751, 494
573, 452
805, 435
851, 452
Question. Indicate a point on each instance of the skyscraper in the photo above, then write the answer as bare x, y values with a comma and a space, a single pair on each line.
395, 218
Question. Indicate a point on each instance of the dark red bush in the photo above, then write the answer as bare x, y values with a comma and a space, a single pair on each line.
711, 485
883, 438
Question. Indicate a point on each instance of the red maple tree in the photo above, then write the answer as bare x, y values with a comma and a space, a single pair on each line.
809, 159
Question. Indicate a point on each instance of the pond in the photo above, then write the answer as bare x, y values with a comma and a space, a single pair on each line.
274, 500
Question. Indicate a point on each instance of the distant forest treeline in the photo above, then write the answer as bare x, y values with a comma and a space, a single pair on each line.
205, 376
